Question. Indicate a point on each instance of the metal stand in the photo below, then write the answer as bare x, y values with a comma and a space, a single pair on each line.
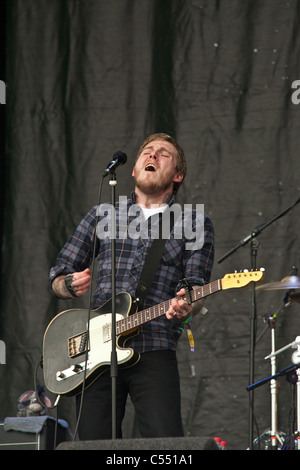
297, 432
273, 388
253, 319
114, 359
295, 360
249, 238
281, 437
276, 437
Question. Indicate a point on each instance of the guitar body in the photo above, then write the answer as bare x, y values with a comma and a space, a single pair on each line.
65, 341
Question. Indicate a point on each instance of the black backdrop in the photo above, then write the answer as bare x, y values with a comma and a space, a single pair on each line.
88, 77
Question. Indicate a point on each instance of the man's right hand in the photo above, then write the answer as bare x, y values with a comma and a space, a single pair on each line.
78, 284
81, 282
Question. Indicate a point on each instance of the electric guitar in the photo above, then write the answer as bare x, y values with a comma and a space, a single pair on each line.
71, 360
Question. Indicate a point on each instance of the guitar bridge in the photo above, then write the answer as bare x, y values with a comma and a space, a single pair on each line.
77, 344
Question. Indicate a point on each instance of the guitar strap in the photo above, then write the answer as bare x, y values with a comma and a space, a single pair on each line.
153, 257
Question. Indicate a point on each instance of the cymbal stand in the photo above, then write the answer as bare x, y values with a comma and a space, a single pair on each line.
275, 435
295, 360
273, 387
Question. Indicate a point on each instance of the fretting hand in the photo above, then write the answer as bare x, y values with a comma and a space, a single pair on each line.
179, 309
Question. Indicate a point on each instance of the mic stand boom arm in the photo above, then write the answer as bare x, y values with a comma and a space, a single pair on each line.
281, 373
257, 231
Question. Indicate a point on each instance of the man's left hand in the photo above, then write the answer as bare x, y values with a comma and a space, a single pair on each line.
179, 309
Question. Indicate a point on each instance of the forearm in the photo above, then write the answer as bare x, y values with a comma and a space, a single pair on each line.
72, 285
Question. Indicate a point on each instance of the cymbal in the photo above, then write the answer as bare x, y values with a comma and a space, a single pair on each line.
287, 283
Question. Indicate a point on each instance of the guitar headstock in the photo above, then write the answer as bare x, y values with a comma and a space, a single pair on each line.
242, 279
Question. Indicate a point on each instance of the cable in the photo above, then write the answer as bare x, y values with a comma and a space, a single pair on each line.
88, 319
40, 363
43, 404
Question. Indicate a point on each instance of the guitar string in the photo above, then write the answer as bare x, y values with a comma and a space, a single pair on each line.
143, 316
148, 314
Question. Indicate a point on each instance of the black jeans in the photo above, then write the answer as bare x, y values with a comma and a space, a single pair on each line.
154, 387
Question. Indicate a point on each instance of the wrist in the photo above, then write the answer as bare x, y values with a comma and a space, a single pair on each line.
68, 284
60, 288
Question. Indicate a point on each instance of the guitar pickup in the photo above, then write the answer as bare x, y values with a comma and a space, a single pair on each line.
106, 332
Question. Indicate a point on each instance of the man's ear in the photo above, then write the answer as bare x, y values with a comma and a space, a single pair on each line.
178, 178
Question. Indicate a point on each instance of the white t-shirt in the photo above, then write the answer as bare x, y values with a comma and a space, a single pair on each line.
148, 212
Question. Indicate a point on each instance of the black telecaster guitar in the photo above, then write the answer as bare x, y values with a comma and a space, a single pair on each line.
67, 364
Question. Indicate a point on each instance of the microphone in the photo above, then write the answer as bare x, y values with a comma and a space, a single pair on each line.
119, 158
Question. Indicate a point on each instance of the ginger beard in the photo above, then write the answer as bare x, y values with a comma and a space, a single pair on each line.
153, 181
151, 186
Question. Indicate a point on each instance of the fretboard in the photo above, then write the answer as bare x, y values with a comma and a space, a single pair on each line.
144, 316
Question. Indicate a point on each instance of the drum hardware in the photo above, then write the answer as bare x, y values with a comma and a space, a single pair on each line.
275, 437
296, 361
272, 438
289, 283
251, 239
267, 438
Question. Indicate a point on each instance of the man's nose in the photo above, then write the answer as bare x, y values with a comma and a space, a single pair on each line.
153, 155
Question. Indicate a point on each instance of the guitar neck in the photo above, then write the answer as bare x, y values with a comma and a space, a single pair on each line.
144, 316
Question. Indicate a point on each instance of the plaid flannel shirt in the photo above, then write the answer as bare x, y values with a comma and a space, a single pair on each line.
176, 263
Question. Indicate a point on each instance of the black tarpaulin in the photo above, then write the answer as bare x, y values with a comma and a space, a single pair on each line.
87, 78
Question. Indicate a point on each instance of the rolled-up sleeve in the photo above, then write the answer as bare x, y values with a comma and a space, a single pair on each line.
77, 253
198, 263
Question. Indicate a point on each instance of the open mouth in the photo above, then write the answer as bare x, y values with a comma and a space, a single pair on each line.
150, 167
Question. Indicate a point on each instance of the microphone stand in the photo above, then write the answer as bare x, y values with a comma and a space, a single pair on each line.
253, 253
257, 231
114, 360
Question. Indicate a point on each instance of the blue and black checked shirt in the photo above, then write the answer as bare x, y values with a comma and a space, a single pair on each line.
176, 263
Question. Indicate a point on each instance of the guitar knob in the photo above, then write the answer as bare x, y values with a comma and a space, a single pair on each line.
60, 375
76, 368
